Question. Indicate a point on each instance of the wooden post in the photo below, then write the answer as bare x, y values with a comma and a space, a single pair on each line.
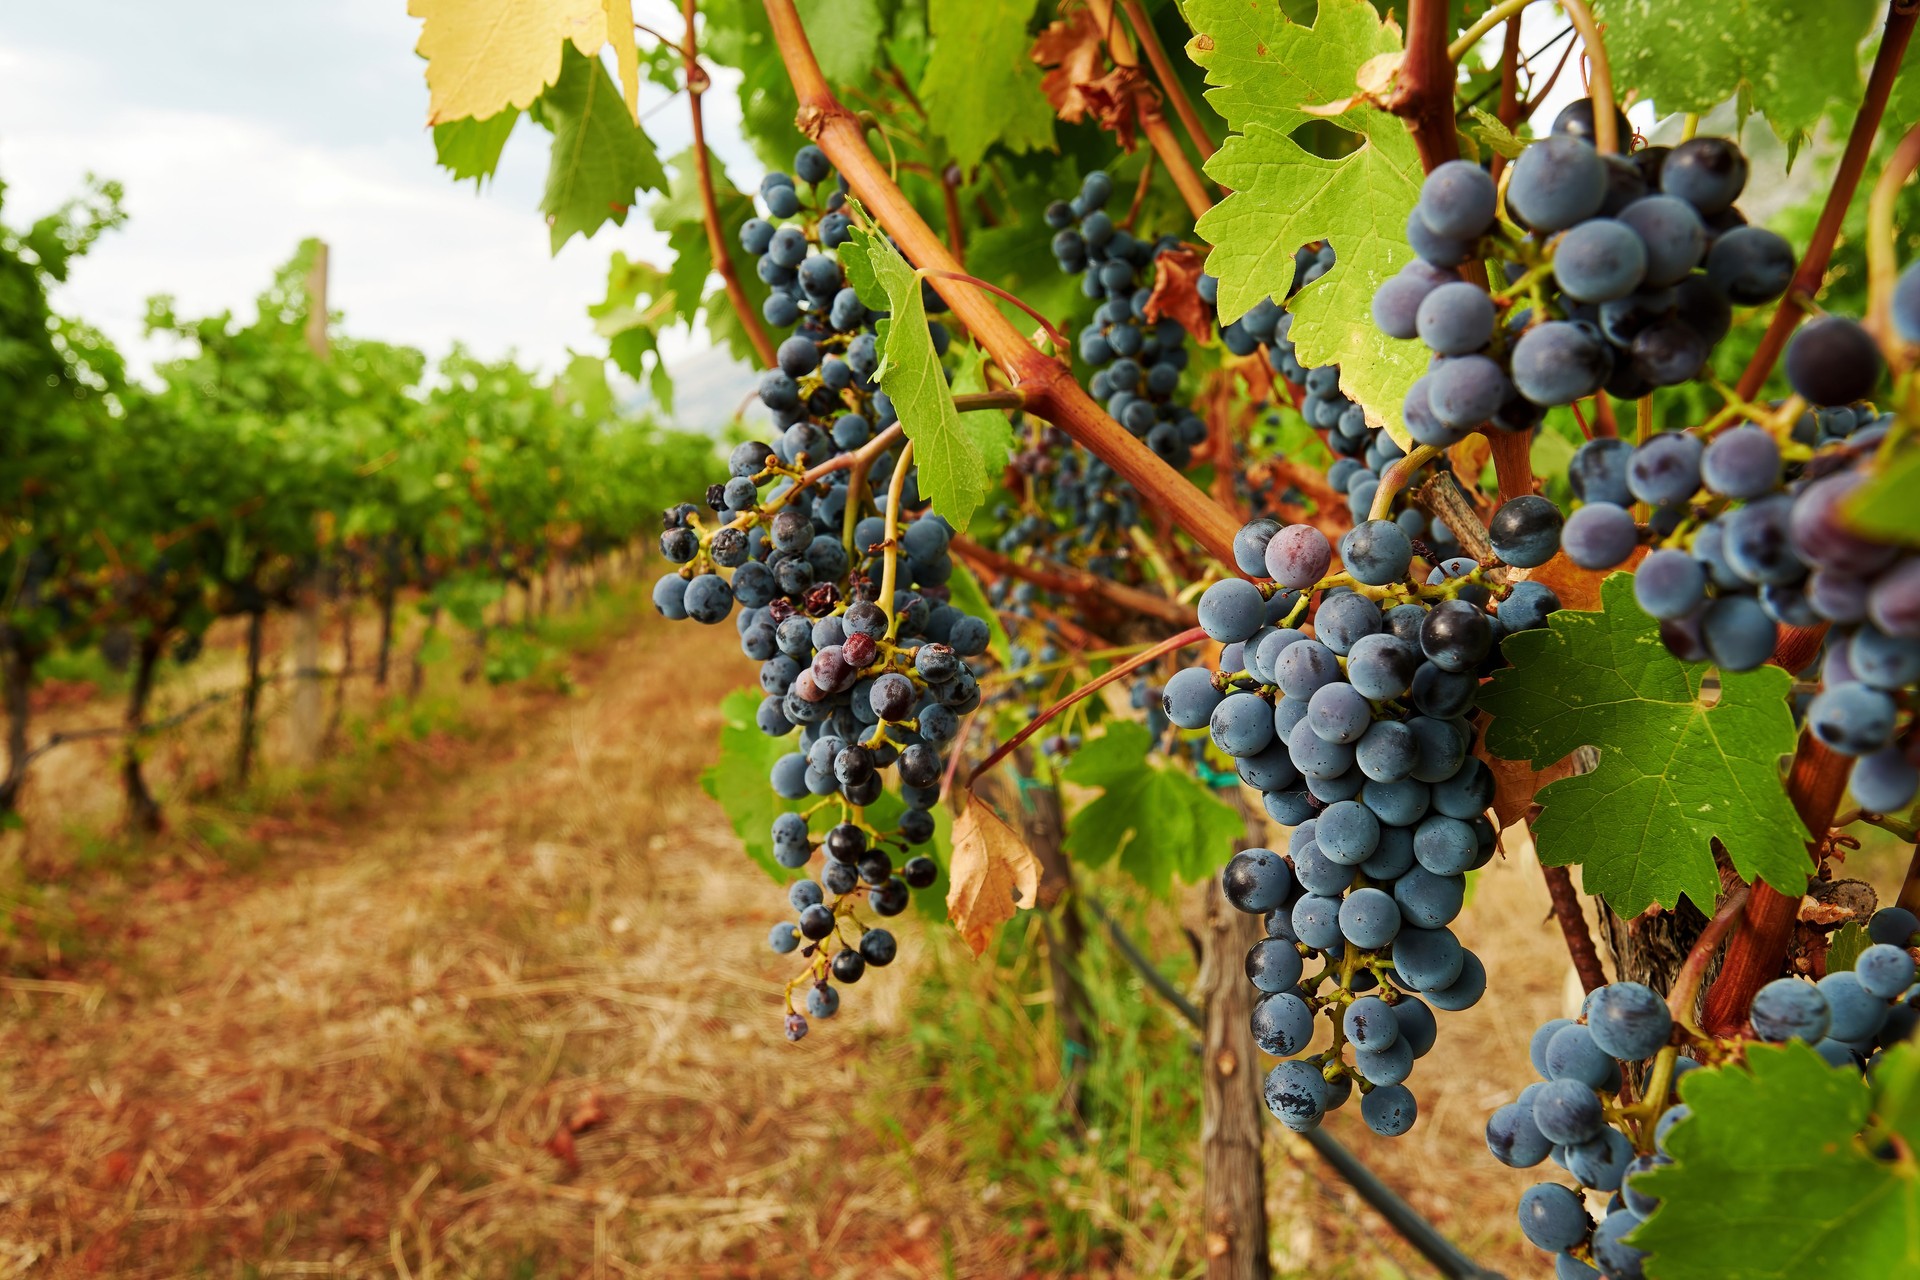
307, 702
1234, 1200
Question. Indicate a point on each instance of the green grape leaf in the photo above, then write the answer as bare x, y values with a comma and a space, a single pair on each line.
1774, 1178
857, 261
980, 87
1884, 506
1676, 771
738, 780
1791, 59
957, 453
469, 148
845, 34
600, 159
1265, 70
1844, 948
1499, 139
1160, 822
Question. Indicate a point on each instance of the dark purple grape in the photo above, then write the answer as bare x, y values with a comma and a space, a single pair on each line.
1832, 360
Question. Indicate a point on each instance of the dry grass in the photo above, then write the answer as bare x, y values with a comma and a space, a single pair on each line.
495, 1003
510, 1019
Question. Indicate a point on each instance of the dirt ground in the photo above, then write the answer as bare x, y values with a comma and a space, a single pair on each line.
495, 1002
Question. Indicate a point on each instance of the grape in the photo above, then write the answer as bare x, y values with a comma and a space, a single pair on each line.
1552, 1217
1601, 1163
1455, 635
669, 597
1598, 471
1619, 1260
1741, 463
1387, 1066
1256, 880
1345, 618
1557, 182
1572, 1054
1242, 725
1376, 553
1576, 120
1599, 535
1893, 925
1429, 901
1337, 712
1514, 1139
1441, 745
1525, 609
1427, 959
1456, 318
1282, 1024
1558, 362
1232, 609
1305, 666
1628, 1020
823, 1002
1672, 235
1296, 1094
784, 938
1832, 360
1599, 260
1787, 1008
1885, 971
1250, 546
1467, 391
1568, 1112
1666, 469
1389, 1110
1273, 966
1457, 200
1369, 919
1298, 556
1370, 1023
1737, 632
1852, 719
1431, 246
1708, 173
1526, 531
1884, 782
1854, 1014
1883, 661
877, 946
1669, 584
1750, 265
1381, 666
1396, 304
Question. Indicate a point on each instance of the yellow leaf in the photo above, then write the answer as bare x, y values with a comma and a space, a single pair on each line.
484, 56
625, 55
990, 872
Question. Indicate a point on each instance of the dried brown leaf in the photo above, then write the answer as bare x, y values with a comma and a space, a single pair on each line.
1176, 292
990, 872
1515, 782
1073, 52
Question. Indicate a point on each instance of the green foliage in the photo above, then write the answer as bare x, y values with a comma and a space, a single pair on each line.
1790, 60
1265, 71
1885, 507
1160, 822
738, 780
600, 160
846, 36
1790, 1167
957, 453
1676, 772
980, 88
1843, 951
469, 148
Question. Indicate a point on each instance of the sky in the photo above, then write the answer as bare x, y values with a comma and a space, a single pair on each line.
238, 129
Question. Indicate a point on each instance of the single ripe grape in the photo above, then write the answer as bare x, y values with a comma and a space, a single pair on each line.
1708, 173
1628, 1020
1376, 552
1788, 1009
1526, 531
1456, 318
1599, 260
1557, 182
1599, 535
1298, 556
1670, 584
1833, 360
1750, 265
1457, 200
1559, 362
1674, 237
1742, 463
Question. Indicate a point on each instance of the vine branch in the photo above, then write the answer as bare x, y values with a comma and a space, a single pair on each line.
1068, 580
1051, 391
744, 310
1573, 927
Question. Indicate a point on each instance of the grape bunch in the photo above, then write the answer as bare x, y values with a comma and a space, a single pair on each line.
1358, 738
1577, 1114
870, 685
1620, 274
1137, 362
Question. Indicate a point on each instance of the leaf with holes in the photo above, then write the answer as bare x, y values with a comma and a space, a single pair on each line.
1789, 1167
1265, 71
1162, 823
1676, 771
